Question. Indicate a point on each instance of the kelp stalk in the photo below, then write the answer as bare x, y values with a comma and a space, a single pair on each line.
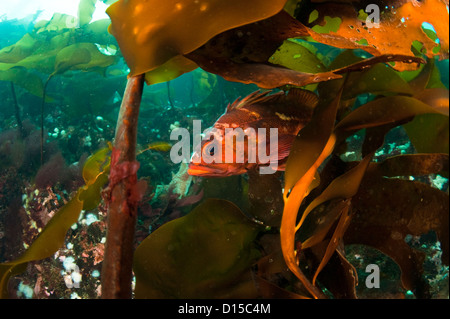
17, 111
123, 197
42, 117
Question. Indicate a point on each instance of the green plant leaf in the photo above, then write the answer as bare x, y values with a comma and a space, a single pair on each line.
295, 56
205, 254
429, 133
19, 50
24, 78
86, 9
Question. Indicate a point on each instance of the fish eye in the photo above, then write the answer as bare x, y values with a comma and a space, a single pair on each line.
211, 151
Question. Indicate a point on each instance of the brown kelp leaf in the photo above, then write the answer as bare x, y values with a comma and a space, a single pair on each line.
53, 235
310, 148
399, 28
343, 187
429, 133
264, 75
436, 98
338, 276
204, 254
411, 165
310, 143
148, 36
254, 42
385, 212
383, 111
269, 76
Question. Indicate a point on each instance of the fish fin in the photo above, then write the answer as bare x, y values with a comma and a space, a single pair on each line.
281, 165
307, 98
284, 146
253, 98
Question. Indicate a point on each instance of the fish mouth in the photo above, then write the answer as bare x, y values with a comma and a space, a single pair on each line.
196, 170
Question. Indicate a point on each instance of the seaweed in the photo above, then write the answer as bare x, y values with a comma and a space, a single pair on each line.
286, 232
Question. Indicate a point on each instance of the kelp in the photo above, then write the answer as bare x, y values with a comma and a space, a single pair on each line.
146, 46
400, 27
51, 238
86, 9
309, 151
383, 219
187, 268
24, 78
216, 251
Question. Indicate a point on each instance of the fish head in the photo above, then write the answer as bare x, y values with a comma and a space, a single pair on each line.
208, 159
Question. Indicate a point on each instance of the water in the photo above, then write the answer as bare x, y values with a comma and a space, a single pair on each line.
46, 90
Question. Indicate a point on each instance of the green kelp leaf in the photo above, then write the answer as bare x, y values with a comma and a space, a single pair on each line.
293, 55
57, 23
97, 32
429, 133
19, 50
170, 70
24, 78
81, 56
378, 79
43, 57
54, 233
40, 61
86, 9
205, 254
385, 212
70, 57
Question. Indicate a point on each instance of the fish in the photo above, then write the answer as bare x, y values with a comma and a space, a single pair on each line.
159, 146
287, 113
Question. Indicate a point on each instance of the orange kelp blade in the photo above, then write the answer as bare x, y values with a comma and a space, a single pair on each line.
400, 27
152, 32
311, 147
52, 237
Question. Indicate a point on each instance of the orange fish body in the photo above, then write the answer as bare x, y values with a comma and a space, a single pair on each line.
259, 121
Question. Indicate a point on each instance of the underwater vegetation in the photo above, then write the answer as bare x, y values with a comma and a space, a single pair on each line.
364, 180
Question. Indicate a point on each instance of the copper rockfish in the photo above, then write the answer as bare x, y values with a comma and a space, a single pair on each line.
255, 132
